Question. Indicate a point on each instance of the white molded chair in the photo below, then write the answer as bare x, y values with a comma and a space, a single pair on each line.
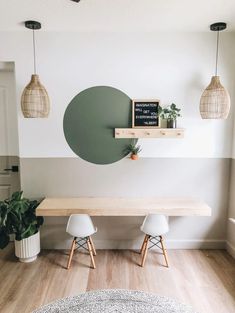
80, 226
154, 226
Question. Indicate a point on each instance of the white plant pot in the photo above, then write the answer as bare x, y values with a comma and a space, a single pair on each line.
163, 123
28, 249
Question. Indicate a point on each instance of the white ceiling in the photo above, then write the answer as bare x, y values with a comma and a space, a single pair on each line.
117, 15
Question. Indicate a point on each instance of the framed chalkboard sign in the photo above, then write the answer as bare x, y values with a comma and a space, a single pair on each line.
145, 113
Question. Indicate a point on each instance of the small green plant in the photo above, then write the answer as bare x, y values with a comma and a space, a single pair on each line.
163, 112
170, 112
17, 217
133, 149
174, 112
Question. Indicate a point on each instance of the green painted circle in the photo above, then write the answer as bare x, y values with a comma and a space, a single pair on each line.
89, 123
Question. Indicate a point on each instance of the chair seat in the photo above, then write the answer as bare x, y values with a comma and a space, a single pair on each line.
152, 233
80, 226
82, 234
155, 225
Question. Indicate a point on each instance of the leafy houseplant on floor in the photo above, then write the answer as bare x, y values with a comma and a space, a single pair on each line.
172, 116
133, 149
17, 217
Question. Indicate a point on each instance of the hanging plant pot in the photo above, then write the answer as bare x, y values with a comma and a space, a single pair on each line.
28, 249
133, 149
134, 157
171, 123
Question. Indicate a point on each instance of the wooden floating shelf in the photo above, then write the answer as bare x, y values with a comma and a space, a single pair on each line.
149, 133
123, 206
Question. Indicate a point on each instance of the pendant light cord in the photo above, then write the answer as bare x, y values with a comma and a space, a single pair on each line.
217, 54
34, 53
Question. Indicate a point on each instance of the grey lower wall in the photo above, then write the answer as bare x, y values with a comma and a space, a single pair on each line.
231, 212
204, 178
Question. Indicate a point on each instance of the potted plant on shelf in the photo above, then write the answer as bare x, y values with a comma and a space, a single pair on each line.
134, 149
163, 115
172, 116
17, 217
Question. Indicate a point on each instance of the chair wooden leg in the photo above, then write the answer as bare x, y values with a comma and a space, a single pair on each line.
164, 251
142, 247
91, 252
145, 250
71, 253
92, 246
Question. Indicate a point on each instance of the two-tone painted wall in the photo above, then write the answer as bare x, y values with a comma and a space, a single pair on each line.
172, 67
231, 210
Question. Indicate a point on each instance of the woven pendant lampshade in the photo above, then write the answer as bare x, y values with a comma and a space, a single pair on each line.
35, 101
215, 100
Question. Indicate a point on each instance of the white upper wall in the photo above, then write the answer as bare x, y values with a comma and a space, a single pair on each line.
121, 15
173, 67
8, 115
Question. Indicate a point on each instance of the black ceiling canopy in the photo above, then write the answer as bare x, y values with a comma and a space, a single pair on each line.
75, 0
32, 25
218, 26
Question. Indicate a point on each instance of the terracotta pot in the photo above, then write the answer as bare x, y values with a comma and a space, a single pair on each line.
134, 157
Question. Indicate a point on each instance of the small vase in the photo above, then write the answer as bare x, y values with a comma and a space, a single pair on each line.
134, 157
163, 123
171, 124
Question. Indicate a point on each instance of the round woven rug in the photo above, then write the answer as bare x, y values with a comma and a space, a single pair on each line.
116, 301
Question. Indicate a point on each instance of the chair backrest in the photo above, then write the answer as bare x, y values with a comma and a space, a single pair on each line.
80, 225
155, 225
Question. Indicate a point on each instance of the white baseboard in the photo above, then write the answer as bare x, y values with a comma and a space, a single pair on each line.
230, 248
170, 244
135, 244
196, 244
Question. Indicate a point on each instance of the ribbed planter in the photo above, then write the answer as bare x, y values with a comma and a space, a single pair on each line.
28, 249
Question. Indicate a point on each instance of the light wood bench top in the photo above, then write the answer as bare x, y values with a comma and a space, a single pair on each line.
122, 206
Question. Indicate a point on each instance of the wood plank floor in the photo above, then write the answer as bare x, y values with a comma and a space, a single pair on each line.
204, 279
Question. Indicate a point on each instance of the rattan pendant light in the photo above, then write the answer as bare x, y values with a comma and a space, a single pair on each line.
215, 100
35, 102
